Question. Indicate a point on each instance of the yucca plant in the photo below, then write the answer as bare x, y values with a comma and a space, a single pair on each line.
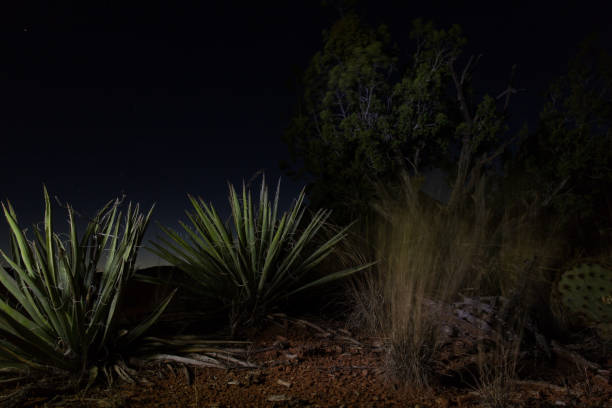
59, 311
247, 268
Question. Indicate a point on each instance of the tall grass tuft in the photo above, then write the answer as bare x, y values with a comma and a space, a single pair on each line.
429, 256
497, 371
426, 255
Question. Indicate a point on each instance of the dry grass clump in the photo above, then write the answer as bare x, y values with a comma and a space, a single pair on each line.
426, 253
429, 255
497, 371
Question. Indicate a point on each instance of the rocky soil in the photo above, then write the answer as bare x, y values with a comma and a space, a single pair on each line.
308, 363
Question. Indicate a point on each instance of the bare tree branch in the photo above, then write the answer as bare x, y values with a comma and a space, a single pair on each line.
509, 90
555, 192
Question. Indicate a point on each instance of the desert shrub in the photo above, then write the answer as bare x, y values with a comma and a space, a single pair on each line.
59, 311
428, 256
247, 268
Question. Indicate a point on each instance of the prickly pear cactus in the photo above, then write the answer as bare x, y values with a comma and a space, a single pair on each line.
587, 291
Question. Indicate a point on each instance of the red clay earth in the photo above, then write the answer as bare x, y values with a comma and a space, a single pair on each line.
301, 364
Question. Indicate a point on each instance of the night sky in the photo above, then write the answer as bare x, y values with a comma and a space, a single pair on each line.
160, 101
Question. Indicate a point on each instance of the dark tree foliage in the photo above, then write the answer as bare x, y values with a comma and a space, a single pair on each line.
343, 132
364, 117
569, 158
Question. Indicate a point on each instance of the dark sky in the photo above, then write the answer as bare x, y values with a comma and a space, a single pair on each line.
160, 101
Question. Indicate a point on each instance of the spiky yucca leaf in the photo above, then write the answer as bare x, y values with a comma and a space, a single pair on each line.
59, 312
261, 260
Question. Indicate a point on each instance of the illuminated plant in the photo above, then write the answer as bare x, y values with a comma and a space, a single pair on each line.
587, 290
58, 311
249, 268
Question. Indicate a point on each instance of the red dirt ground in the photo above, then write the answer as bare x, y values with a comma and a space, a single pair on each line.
322, 365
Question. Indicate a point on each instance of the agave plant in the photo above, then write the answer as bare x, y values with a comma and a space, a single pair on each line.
59, 311
248, 267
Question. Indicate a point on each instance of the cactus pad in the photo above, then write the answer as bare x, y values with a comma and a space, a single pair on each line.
587, 291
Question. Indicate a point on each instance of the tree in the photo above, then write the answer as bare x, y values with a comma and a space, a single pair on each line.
341, 131
569, 158
363, 118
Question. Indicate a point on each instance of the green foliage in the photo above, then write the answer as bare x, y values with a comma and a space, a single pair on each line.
570, 156
587, 291
60, 311
338, 133
251, 267
489, 123
365, 115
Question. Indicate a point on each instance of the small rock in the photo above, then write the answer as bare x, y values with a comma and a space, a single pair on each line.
283, 383
442, 402
600, 380
281, 342
278, 398
254, 377
560, 403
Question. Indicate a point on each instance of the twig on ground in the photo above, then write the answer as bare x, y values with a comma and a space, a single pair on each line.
572, 356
